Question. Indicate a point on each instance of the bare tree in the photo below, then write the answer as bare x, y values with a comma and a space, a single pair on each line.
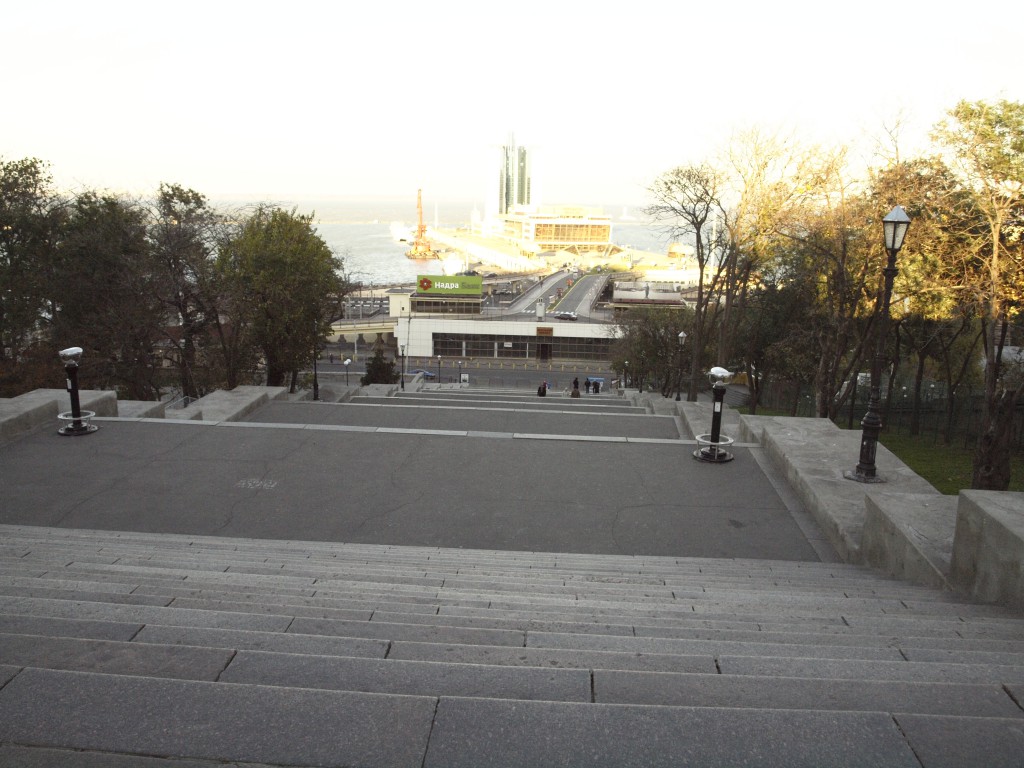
688, 199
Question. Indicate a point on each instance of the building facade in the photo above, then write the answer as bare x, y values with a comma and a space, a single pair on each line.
562, 228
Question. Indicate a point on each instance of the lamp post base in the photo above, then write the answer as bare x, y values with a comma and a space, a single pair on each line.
860, 477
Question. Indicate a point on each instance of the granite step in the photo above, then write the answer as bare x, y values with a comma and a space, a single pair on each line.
214, 721
462, 650
118, 657
301, 726
937, 696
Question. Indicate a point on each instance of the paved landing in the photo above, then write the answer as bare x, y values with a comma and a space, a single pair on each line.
514, 418
323, 484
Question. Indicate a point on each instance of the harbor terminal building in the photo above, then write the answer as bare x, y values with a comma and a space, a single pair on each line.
445, 315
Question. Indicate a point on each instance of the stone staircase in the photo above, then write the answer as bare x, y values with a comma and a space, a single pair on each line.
484, 411
121, 649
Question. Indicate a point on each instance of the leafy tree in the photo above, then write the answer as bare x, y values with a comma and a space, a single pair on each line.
281, 287
379, 370
986, 141
932, 311
105, 297
764, 179
30, 220
647, 346
183, 232
833, 242
777, 334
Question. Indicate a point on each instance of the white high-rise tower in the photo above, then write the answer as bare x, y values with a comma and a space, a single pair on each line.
514, 180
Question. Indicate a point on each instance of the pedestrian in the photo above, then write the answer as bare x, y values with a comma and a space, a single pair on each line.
597, 386
542, 390
331, 356
576, 383
575, 392
586, 385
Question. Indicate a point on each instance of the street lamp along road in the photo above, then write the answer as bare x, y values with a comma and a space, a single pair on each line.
316, 353
679, 385
347, 363
402, 350
439, 370
894, 226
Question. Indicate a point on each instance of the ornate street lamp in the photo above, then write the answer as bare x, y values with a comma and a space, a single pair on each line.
402, 350
679, 385
316, 353
895, 226
439, 370
348, 362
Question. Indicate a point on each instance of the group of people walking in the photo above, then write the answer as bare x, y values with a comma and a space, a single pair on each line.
590, 386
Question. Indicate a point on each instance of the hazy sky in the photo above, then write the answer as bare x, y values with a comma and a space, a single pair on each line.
378, 98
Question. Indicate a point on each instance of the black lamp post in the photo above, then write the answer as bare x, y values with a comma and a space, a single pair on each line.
679, 384
895, 226
460, 373
625, 373
316, 382
402, 350
438, 370
347, 363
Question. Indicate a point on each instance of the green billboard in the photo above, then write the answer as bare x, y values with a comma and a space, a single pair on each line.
450, 285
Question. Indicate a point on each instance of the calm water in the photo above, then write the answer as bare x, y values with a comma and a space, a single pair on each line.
360, 232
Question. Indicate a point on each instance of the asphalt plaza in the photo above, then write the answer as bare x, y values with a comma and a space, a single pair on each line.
414, 488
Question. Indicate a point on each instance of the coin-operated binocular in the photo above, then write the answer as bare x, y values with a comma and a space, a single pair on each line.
76, 421
709, 447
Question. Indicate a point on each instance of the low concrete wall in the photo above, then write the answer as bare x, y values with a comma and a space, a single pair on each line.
20, 417
228, 405
38, 409
910, 536
813, 454
141, 409
988, 547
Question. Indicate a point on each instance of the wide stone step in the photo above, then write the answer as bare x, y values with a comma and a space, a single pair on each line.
301, 726
871, 669
422, 678
184, 662
934, 697
563, 419
468, 400
214, 721
384, 624
534, 580
465, 563
151, 571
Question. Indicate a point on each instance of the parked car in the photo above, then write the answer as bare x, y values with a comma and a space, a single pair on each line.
425, 373
565, 315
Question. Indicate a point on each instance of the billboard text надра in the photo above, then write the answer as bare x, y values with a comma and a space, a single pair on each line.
450, 285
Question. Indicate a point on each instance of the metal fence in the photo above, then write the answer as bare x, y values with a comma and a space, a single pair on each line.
965, 423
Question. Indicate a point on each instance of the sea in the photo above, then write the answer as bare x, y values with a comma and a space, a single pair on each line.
359, 231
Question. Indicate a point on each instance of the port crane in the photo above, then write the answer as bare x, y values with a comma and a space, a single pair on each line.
421, 247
